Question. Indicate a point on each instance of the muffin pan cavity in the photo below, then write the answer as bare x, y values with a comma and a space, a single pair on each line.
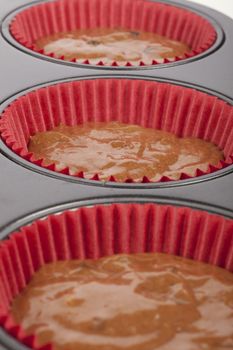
199, 32
96, 230
172, 108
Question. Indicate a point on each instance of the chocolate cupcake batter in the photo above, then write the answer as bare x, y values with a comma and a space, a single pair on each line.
109, 45
133, 302
122, 150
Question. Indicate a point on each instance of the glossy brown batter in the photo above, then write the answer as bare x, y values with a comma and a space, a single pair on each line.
108, 45
131, 302
123, 150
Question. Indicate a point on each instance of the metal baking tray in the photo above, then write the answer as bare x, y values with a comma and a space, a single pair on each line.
28, 192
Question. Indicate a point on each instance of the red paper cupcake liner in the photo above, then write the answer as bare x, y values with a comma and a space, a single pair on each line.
66, 15
94, 232
182, 111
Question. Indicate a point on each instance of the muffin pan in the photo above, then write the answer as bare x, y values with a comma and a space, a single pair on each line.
30, 191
